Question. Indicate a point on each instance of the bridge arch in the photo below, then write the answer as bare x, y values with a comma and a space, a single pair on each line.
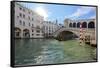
91, 24
66, 35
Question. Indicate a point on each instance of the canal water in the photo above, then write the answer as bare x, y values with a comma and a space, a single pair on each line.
51, 51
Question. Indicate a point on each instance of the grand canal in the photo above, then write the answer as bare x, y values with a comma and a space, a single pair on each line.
51, 51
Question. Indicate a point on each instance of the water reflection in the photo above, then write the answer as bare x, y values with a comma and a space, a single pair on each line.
50, 51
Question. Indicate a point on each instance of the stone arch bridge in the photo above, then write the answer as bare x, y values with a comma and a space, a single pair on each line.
88, 34
75, 31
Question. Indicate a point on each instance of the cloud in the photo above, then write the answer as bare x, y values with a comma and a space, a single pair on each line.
41, 10
93, 17
81, 11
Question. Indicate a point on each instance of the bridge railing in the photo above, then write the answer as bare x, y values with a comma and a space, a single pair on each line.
58, 30
87, 30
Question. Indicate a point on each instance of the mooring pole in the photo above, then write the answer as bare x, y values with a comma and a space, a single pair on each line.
80, 38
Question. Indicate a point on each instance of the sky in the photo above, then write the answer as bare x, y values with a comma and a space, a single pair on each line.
53, 12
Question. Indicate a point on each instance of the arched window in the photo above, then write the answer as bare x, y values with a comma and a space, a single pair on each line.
91, 25
78, 25
70, 25
84, 25
74, 24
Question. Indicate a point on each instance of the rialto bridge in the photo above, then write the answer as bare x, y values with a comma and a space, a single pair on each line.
72, 29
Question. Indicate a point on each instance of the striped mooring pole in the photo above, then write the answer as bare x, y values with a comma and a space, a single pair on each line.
84, 32
80, 39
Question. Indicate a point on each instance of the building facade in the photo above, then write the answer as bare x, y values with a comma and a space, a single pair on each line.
49, 28
28, 24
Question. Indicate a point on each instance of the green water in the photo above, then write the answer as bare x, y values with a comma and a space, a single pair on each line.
50, 51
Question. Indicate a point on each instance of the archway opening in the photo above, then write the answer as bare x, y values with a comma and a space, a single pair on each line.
70, 25
66, 35
17, 32
78, 25
91, 25
84, 25
74, 24
26, 33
